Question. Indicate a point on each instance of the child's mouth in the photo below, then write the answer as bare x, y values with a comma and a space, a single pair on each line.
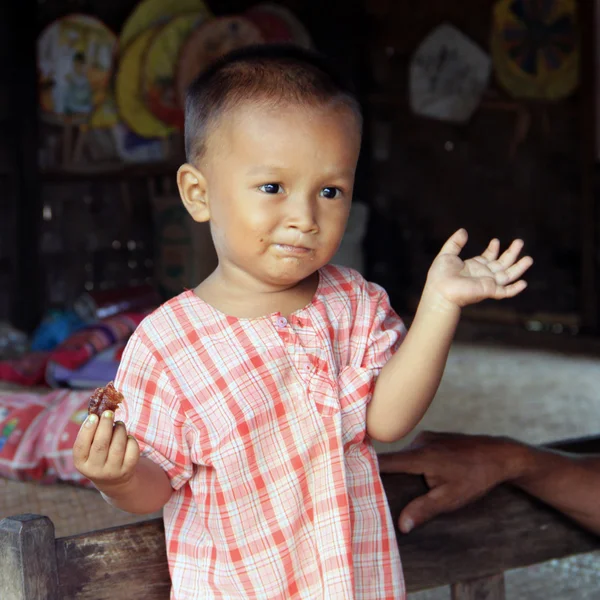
295, 250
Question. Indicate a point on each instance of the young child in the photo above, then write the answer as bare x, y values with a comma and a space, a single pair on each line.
251, 401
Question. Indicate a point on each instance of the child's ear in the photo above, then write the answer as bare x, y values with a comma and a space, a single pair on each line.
193, 192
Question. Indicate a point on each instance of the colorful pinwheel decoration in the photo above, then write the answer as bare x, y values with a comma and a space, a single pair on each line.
535, 47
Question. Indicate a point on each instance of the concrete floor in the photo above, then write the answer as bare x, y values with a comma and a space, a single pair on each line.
534, 396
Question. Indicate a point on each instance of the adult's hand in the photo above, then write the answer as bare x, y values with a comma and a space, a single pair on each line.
458, 469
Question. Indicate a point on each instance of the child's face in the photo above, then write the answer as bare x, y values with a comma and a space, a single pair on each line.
279, 187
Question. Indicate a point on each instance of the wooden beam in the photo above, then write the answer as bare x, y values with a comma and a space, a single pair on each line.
489, 588
27, 559
585, 445
467, 549
122, 562
506, 529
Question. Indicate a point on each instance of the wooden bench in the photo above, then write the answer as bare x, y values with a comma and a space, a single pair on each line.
468, 550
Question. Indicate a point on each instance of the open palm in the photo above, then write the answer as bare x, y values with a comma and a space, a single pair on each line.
491, 275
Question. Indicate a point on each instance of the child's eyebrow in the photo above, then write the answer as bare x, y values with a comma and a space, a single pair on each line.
274, 169
264, 169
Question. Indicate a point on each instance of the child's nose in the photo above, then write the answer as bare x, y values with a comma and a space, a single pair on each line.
302, 215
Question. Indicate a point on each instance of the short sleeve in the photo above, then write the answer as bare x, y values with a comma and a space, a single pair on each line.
151, 411
386, 329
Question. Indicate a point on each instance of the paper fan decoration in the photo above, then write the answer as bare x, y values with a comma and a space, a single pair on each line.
273, 28
128, 93
535, 47
105, 115
210, 41
152, 13
132, 148
75, 58
278, 25
448, 76
160, 64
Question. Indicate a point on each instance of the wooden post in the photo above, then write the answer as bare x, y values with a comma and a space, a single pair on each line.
487, 588
28, 559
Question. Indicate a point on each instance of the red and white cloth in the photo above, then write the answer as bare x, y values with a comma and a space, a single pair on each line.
260, 425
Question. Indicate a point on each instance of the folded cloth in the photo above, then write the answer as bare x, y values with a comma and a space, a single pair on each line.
27, 370
86, 343
94, 373
74, 352
61, 424
22, 420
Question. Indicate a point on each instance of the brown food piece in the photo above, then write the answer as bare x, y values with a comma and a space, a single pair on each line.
103, 399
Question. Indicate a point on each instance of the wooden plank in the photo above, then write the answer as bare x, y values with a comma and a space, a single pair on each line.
488, 588
589, 212
585, 445
122, 562
504, 530
28, 568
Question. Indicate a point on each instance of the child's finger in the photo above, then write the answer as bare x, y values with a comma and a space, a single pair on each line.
516, 271
84, 439
510, 255
116, 450
511, 290
491, 252
132, 454
455, 243
102, 439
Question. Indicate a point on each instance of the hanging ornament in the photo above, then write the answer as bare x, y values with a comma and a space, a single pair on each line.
535, 48
448, 76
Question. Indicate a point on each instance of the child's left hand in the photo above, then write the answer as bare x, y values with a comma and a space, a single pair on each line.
461, 283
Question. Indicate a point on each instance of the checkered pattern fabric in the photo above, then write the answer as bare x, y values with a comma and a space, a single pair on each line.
260, 426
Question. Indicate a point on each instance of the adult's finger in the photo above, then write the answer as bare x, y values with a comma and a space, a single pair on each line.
426, 507
402, 461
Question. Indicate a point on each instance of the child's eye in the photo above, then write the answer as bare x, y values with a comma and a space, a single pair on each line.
331, 192
271, 188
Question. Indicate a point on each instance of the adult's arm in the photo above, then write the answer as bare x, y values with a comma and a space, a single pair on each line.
459, 469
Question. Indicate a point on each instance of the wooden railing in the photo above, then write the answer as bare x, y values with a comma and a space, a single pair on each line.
468, 550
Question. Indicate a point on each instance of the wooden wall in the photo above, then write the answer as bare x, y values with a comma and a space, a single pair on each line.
19, 195
429, 178
97, 230
422, 178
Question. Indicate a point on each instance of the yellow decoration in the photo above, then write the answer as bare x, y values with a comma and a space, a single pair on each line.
160, 65
128, 91
535, 48
152, 13
75, 57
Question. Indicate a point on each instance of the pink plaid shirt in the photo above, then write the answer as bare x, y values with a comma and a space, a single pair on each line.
260, 426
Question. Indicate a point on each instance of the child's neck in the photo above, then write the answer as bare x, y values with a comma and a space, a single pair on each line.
246, 304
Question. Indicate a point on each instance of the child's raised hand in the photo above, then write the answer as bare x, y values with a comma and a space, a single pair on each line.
104, 453
461, 283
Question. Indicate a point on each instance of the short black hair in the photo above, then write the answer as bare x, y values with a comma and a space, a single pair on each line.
269, 73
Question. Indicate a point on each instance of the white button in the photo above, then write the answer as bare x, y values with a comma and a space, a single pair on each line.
281, 322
